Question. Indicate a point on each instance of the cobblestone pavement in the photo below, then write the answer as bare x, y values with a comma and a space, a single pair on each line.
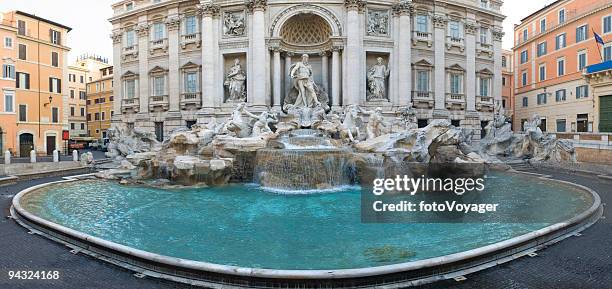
583, 262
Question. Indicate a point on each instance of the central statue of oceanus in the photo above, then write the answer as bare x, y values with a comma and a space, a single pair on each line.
304, 93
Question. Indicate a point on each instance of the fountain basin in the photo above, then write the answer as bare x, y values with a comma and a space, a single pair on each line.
246, 243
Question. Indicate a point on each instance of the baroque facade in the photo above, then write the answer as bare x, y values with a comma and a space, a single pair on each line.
177, 62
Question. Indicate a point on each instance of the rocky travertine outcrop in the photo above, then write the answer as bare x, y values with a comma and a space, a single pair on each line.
126, 142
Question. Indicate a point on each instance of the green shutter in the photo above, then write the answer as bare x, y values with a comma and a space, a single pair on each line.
605, 113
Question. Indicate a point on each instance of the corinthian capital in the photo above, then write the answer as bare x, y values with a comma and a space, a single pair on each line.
403, 8
142, 29
208, 9
498, 33
256, 5
358, 5
439, 21
173, 23
116, 36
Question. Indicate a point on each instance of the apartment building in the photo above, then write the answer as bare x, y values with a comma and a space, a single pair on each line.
40, 89
100, 100
86, 69
508, 83
8, 57
552, 48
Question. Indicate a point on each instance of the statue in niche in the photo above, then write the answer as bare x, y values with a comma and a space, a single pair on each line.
377, 76
301, 73
233, 24
378, 22
235, 80
376, 123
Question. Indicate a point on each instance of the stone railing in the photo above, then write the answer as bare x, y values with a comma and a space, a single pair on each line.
130, 51
484, 103
423, 97
455, 100
159, 44
130, 103
194, 38
418, 36
190, 99
160, 101
452, 41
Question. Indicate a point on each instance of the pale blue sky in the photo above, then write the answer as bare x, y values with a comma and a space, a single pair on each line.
91, 29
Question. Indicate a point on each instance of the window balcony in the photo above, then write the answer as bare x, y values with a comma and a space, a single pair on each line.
191, 99
455, 100
158, 101
130, 51
484, 103
130, 104
423, 98
458, 42
485, 48
158, 45
194, 38
418, 36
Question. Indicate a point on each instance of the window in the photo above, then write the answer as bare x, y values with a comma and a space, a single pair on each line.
561, 127
581, 33
72, 125
54, 36
130, 38
89, 117
525, 34
97, 116
71, 93
560, 95
484, 35
542, 49
82, 95
23, 80
582, 122
541, 98
82, 79
560, 41
190, 123
582, 91
72, 111
159, 131
543, 124
21, 27
9, 101
455, 83
54, 59
607, 24
504, 61
190, 25
55, 85
525, 101
8, 42
561, 16
421, 23
582, 60
560, 67
130, 88
55, 115
423, 81
484, 86
158, 31
542, 70
129, 6
103, 115
524, 56
82, 126
503, 81
607, 52
542, 25
454, 30
23, 113
8, 71
23, 52
524, 78
82, 111
191, 82
484, 4
158, 86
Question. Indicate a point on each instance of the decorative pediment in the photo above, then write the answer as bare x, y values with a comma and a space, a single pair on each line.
485, 72
190, 65
455, 68
157, 70
129, 74
423, 63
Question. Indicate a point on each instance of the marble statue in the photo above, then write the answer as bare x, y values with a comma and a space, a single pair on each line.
376, 123
349, 128
301, 73
233, 23
377, 75
237, 125
378, 22
262, 123
235, 81
407, 118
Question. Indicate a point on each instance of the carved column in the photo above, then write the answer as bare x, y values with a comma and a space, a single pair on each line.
287, 78
403, 10
498, 34
208, 10
117, 35
142, 30
353, 51
259, 56
470, 70
324, 71
335, 93
174, 84
439, 22
276, 81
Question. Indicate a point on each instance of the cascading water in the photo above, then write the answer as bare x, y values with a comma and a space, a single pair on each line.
307, 161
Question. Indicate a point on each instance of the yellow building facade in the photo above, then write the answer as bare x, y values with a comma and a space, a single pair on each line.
8, 57
100, 100
85, 70
41, 52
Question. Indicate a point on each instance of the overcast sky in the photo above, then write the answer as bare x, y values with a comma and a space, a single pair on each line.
91, 29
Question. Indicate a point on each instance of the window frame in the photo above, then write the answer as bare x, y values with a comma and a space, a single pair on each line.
5, 94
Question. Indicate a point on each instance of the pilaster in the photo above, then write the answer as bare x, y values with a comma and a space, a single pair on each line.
439, 22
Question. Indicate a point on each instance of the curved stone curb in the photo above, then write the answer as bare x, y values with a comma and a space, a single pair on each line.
444, 267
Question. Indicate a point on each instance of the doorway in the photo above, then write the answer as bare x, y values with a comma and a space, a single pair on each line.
50, 144
26, 144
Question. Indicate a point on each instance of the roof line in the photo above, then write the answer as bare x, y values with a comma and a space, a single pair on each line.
545, 7
43, 19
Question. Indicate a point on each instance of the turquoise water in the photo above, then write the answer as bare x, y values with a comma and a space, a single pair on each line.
244, 225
